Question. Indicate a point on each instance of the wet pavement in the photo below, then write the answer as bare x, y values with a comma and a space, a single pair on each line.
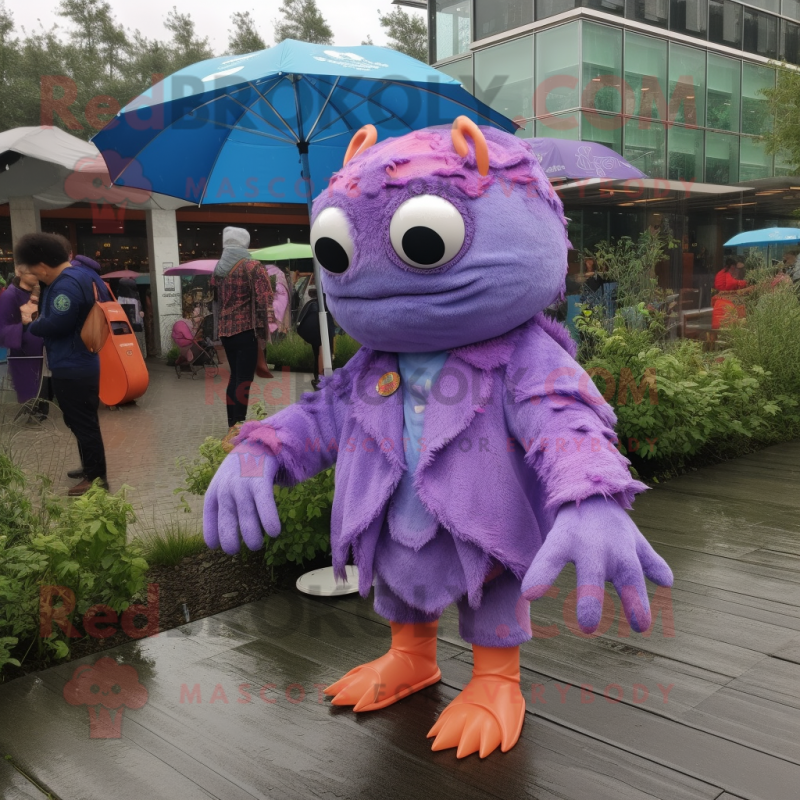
144, 439
705, 706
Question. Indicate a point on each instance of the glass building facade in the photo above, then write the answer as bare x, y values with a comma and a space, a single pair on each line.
672, 109
674, 86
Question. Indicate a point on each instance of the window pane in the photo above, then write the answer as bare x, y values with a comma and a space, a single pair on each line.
504, 77
559, 126
754, 163
452, 32
602, 67
646, 74
653, 12
725, 23
496, 16
645, 146
687, 85
791, 8
722, 158
756, 118
603, 128
609, 6
723, 93
685, 154
760, 33
557, 84
689, 17
783, 164
460, 70
549, 8
767, 5
790, 42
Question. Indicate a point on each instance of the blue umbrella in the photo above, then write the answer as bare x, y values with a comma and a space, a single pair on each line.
273, 126
764, 236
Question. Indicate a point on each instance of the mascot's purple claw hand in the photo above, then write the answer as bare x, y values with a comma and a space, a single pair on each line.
602, 541
240, 500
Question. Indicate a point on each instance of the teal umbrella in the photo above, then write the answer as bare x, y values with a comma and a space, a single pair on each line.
765, 236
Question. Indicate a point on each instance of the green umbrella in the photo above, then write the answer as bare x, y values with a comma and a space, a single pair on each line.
282, 252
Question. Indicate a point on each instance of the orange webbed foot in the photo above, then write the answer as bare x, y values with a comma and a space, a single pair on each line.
489, 712
410, 665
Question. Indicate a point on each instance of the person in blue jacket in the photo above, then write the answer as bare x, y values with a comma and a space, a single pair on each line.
65, 303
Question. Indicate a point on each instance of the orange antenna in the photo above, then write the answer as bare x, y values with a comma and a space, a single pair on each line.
463, 127
365, 137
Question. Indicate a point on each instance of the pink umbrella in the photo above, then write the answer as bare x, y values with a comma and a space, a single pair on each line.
121, 273
203, 266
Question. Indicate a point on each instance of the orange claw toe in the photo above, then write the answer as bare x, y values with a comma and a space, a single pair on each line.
410, 665
489, 712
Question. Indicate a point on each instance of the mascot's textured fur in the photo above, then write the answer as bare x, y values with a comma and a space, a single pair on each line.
492, 465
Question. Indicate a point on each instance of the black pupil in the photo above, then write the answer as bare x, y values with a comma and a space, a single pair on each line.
331, 254
423, 245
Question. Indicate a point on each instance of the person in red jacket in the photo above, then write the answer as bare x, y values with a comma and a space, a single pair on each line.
725, 280
728, 287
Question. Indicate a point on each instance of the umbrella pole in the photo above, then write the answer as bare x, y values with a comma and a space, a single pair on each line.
327, 361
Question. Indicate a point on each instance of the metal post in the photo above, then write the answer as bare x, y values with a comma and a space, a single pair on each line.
327, 361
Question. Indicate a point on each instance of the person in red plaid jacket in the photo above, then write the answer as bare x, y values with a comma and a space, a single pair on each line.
242, 295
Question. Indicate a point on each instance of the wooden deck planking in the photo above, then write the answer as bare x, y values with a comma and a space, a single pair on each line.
730, 729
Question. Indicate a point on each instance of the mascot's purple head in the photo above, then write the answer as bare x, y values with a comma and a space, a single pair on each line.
438, 239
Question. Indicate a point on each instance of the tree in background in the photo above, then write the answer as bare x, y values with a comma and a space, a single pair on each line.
302, 20
784, 103
244, 37
187, 49
407, 33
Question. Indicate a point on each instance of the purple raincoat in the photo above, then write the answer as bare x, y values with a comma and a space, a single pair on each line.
519, 429
25, 350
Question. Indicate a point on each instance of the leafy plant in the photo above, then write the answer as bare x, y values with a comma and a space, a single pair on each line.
632, 265
201, 470
80, 545
345, 348
674, 402
172, 355
297, 354
304, 510
305, 514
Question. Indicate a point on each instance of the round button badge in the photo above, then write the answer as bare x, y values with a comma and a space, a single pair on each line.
388, 384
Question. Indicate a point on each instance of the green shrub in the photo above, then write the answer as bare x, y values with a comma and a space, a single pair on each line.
769, 337
674, 402
304, 509
293, 352
78, 544
169, 546
172, 355
346, 347
632, 265
201, 470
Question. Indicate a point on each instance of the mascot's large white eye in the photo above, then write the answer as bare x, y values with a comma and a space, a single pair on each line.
427, 231
331, 241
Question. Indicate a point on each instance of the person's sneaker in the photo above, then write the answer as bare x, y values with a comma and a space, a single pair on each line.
76, 473
80, 489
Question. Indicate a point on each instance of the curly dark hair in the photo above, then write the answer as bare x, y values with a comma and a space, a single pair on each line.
41, 248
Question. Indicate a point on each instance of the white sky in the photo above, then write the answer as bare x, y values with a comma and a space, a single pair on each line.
351, 20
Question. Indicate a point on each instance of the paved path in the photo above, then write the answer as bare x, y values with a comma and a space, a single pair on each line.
144, 439
708, 703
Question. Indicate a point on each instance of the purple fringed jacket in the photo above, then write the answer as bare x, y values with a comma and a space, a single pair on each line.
506, 443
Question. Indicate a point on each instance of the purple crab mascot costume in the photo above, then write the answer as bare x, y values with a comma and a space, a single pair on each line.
474, 457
